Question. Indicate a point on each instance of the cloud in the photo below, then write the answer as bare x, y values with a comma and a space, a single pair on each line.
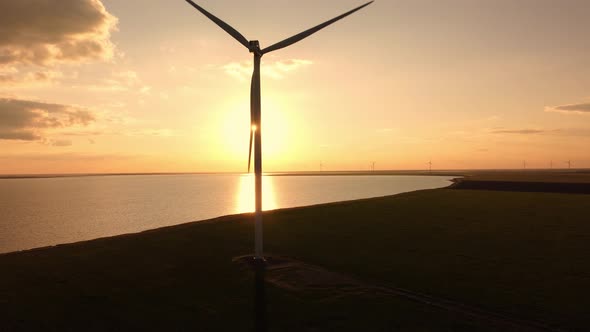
44, 32
161, 132
61, 142
66, 157
580, 132
279, 69
275, 70
239, 70
520, 131
571, 108
27, 120
122, 81
11, 76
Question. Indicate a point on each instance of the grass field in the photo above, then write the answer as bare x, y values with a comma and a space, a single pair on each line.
524, 254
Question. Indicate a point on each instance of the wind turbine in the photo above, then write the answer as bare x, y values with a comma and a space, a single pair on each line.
255, 108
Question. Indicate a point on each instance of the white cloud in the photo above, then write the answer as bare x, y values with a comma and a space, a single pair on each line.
276, 70
121, 81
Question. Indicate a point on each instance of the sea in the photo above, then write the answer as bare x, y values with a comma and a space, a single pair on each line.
39, 212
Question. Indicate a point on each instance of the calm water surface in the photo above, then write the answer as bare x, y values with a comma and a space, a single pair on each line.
42, 212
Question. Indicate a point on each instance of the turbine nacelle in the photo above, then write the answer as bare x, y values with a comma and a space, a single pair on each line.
254, 47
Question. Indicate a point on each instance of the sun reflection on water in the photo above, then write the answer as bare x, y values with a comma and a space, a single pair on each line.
245, 194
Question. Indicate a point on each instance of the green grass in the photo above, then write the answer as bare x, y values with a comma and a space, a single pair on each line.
521, 253
525, 253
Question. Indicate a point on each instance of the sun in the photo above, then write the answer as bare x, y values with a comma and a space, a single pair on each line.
278, 127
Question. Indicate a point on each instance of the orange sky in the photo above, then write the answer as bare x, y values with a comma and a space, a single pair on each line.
106, 86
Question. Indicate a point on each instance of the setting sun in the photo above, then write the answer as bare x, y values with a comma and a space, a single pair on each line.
280, 140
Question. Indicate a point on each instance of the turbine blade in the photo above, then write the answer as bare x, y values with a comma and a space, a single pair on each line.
250, 149
233, 32
307, 33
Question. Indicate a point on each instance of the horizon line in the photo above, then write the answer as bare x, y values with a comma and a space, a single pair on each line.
325, 172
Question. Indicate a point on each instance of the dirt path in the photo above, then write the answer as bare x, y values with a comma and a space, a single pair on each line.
297, 276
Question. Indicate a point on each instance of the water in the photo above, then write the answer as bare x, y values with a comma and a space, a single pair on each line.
48, 211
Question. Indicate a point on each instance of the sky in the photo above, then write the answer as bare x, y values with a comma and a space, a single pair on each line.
99, 86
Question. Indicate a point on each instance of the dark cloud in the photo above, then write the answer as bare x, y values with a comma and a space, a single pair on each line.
41, 32
572, 108
21, 135
26, 119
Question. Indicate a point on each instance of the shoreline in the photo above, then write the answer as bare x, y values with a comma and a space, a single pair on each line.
219, 219
465, 182
196, 211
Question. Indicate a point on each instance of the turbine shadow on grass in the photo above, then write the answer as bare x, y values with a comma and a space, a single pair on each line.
260, 321
257, 266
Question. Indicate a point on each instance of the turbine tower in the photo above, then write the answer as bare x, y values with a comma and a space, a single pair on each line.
255, 102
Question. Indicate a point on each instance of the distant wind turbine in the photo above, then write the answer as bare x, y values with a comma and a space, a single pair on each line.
569, 164
430, 166
255, 102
